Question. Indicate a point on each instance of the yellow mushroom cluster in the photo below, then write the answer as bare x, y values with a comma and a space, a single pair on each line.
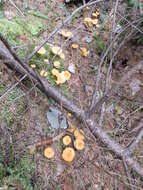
61, 77
84, 51
66, 34
74, 141
93, 20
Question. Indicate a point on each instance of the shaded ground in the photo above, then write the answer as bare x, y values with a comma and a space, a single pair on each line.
23, 111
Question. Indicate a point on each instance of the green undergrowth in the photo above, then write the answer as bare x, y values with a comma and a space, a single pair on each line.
18, 174
12, 107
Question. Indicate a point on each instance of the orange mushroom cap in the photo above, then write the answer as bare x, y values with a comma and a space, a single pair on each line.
49, 152
68, 154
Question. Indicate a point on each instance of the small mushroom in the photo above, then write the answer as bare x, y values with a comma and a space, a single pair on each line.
57, 64
67, 75
41, 51
95, 21
46, 61
88, 22
55, 72
79, 134
66, 34
49, 152
66, 140
56, 50
68, 154
62, 56
43, 73
79, 144
84, 52
75, 46
60, 78
33, 66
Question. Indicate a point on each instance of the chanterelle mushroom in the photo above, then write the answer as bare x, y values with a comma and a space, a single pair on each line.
66, 140
79, 134
79, 144
49, 152
68, 154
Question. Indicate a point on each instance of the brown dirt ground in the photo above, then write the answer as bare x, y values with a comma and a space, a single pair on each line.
95, 167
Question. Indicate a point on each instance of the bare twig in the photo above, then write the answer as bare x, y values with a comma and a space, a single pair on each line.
16, 7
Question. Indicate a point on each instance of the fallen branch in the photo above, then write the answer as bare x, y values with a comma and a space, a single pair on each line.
71, 107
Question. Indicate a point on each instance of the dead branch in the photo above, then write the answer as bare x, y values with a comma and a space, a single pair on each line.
71, 107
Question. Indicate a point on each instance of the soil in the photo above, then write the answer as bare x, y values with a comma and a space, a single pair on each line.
95, 167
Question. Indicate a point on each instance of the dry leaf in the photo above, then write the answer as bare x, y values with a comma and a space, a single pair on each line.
135, 86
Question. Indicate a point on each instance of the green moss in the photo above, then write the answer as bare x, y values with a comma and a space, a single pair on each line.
100, 44
21, 173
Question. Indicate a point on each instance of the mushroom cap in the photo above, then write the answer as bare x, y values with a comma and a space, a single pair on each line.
79, 144
66, 34
88, 22
62, 56
95, 21
68, 154
56, 50
74, 46
94, 15
60, 78
57, 64
67, 75
46, 61
49, 152
55, 72
66, 140
79, 134
33, 66
84, 52
43, 73
41, 51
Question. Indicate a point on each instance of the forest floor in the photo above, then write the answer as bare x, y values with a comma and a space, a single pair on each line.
23, 108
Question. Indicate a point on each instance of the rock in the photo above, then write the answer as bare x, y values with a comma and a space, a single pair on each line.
71, 68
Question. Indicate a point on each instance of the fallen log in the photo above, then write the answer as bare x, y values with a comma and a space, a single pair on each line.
53, 93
